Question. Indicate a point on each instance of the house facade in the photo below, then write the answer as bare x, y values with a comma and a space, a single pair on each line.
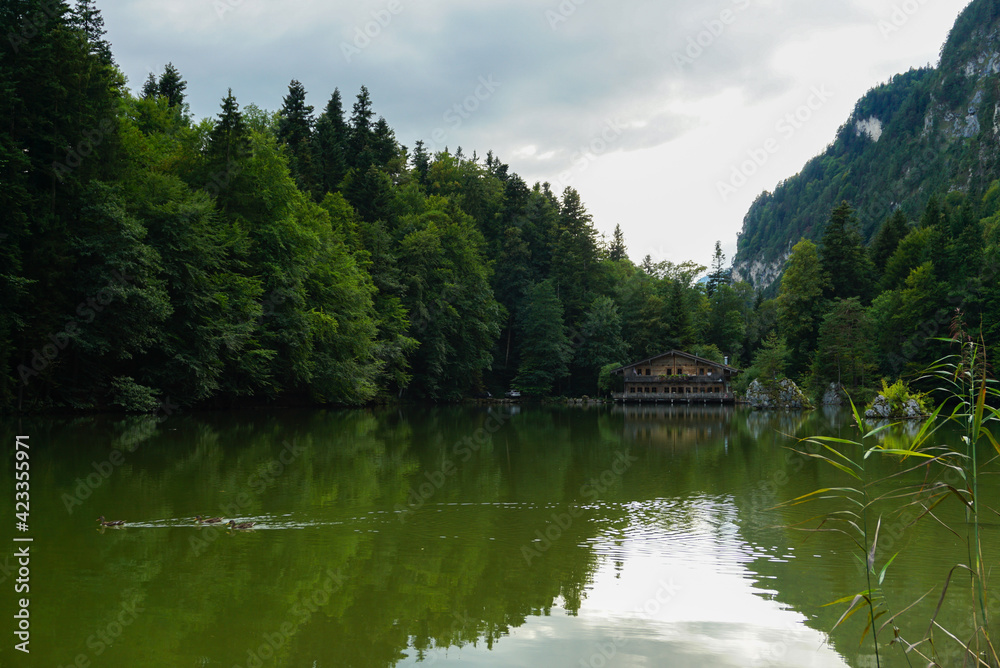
676, 376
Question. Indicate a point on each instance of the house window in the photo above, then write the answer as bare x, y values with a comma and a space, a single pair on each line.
701, 372
632, 390
648, 371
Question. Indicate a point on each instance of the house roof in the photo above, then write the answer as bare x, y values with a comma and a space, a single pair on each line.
700, 360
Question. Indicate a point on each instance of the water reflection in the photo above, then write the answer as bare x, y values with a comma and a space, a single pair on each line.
638, 535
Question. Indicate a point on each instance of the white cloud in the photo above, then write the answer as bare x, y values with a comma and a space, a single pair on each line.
688, 88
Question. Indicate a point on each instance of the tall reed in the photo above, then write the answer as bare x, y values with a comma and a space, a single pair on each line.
950, 473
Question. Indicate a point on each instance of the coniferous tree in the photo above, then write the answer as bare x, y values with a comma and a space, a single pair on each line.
421, 162
727, 318
887, 240
843, 257
719, 275
546, 351
86, 18
360, 132
370, 193
574, 255
680, 315
771, 360
932, 213
800, 302
384, 147
600, 343
331, 146
151, 88
172, 86
295, 122
844, 352
295, 128
617, 251
229, 136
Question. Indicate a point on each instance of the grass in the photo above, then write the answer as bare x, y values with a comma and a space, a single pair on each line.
969, 391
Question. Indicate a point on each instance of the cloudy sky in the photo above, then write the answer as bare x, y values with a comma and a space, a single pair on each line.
669, 117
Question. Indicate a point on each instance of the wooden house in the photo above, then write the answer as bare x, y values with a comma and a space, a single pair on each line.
676, 376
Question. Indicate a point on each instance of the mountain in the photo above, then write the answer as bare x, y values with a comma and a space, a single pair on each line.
927, 131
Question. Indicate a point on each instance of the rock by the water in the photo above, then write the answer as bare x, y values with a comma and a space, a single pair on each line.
882, 409
834, 395
784, 395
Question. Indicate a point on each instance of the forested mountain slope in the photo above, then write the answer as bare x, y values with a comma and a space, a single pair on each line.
925, 132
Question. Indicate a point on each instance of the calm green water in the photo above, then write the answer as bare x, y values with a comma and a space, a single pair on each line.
467, 536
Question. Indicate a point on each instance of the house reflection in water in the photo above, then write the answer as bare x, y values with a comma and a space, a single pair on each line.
684, 426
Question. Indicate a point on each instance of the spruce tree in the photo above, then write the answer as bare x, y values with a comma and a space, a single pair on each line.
843, 257
151, 88
360, 133
295, 120
330, 146
86, 18
421, 162
719, 275
887, 240
574, 255
384, 147
545, 348
229, 137
617, 251
295, 130
172, 86
800, 302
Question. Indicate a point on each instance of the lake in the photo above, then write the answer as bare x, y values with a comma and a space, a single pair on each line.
476, 535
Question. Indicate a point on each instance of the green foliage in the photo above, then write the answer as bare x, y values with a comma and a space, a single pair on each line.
864, 512
608, 382
800, 302
887, 240
843, 257
132, 397
771, 360
272, 256
719, 276
616, 250
171, 86
600, 341
546, 350
899, 395
844, 354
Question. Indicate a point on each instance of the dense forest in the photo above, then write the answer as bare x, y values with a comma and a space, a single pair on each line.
150, 261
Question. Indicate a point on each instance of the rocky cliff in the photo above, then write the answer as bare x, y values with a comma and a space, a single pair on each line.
924, 132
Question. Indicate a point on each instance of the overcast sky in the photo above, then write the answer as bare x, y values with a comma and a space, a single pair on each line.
651, 110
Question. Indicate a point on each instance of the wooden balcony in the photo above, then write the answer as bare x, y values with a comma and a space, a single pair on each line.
666, 398
674, 380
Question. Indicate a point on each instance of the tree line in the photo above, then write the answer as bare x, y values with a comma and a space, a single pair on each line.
298, 256
148, 258
851, 313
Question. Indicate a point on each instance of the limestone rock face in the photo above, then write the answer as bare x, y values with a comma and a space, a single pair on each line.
783, 395
882, 409
834, 395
